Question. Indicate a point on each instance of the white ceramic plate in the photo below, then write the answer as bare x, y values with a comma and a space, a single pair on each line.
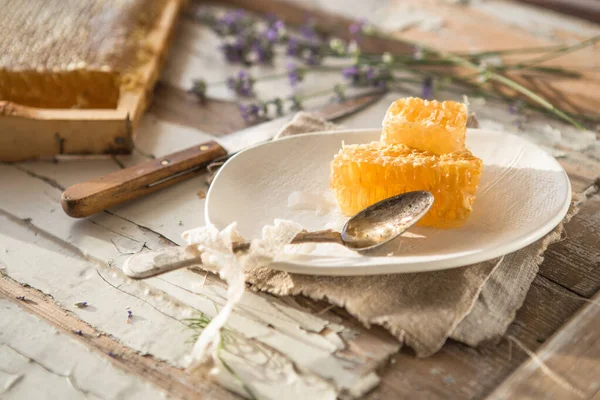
524, 193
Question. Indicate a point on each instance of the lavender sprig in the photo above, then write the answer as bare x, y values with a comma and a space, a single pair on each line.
242, 84
427, 92
295, 74
364, 76
250, 112
236, 49
245, 41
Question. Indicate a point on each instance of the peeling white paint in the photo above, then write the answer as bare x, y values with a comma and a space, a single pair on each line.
47, 264
40, 363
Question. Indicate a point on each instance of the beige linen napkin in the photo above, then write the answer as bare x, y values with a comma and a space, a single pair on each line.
470, 304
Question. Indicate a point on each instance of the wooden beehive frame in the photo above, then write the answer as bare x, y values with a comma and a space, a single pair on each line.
29, 132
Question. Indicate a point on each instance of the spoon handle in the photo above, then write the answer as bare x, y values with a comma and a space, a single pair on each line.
326, 236
151, 263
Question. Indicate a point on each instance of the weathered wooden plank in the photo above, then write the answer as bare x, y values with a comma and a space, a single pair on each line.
65, 334
173, 104
462, 372
585, 9
566, 366
575, 262
502, 25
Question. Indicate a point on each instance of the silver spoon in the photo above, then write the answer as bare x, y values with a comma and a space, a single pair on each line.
371, 228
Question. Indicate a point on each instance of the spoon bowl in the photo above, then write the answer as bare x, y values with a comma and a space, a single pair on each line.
385, 220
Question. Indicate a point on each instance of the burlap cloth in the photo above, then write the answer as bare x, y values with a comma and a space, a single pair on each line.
471, 304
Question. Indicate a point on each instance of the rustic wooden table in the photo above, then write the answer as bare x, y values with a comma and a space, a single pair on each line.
278, 347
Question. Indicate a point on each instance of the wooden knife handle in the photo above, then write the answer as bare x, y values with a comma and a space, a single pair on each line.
84, 199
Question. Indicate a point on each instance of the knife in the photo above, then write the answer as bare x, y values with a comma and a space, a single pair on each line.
87, 198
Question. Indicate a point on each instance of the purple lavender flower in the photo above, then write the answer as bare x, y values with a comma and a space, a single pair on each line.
231, 83
272, 35
370, 76
295, 74
242, 84
356, 28
232, 23
250, 112
427, 92
515, 107
350, 72
293, 47
379, 77
236, 50
381, 84
311, 55
81, 304
275, 31
263, 51
308, 30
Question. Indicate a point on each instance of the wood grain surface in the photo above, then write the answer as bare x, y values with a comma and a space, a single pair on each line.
566, 366
585, 9
29, 132
580, 251
172, 380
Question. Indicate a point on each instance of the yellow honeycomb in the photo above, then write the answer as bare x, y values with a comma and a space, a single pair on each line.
438, 127
367, 173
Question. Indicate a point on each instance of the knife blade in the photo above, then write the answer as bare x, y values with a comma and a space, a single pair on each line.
87, 198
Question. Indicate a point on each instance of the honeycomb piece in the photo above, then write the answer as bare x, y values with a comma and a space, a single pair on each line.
71, 53
367, 173
438, 127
